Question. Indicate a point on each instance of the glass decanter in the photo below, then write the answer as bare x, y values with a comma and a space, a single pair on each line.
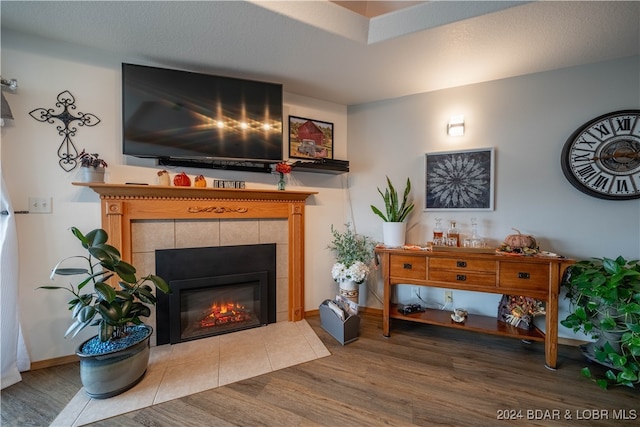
453, 236
476, 241
438, 233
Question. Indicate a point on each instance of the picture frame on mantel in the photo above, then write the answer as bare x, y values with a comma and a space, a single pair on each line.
310, 138
460, 180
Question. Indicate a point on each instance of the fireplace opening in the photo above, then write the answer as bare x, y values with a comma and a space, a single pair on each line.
215, 290
216, 305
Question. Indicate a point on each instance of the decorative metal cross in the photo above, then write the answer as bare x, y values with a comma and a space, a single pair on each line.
67, 152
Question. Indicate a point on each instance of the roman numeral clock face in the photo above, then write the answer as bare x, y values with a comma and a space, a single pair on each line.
602, 157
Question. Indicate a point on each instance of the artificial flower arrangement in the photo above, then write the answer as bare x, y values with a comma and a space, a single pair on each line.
519, 311
282, 168
354, 253
358, 272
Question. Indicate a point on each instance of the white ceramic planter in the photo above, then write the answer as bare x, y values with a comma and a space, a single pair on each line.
393, 233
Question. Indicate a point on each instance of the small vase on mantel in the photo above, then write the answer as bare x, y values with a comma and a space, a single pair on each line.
350, 290
281, 183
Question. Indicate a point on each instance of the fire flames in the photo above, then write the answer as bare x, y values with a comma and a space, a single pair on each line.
224, 314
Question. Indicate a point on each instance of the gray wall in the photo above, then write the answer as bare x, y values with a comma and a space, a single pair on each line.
527, 120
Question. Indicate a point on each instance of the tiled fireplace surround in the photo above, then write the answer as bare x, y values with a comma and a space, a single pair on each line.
149, 235
141, 219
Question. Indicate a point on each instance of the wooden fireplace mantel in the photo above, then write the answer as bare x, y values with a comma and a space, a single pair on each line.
161, 192
123, 203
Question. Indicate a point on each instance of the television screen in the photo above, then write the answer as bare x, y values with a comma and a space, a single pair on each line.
172, 114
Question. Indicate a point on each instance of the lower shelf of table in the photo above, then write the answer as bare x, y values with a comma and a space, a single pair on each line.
476, 323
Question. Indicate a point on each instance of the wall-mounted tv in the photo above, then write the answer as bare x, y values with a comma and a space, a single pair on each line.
175, 115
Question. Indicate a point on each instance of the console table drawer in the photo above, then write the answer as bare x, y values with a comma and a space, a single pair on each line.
469, 278
463, 264
410, 267
524, 275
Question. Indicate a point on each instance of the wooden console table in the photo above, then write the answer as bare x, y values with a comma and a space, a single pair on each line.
537, 277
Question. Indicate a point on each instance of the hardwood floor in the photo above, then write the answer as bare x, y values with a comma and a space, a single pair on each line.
422, 375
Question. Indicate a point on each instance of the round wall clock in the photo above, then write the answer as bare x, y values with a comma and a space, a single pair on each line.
602, 157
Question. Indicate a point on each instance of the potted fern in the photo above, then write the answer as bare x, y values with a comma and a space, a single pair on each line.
116, 359
604, 296
394, 227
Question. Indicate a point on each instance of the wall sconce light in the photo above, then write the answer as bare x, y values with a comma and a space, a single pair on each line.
456, 126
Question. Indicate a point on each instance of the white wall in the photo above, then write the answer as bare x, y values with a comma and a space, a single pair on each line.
527, 119
30, 168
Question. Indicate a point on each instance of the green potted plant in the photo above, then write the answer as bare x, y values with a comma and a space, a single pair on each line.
92, 166
354, 253
394, 227
116, 359
604, 296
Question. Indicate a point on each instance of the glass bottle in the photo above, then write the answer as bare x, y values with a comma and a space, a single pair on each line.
438, 234
453, 237
281, 183
476, 240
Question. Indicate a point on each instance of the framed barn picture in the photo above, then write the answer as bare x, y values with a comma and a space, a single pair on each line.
310, 139
459, 180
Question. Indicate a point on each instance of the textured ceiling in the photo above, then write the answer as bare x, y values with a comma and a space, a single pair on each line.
325, 51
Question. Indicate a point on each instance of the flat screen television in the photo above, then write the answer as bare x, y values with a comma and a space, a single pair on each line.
175, 115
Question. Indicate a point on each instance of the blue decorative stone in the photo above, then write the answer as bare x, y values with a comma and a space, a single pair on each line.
135, 334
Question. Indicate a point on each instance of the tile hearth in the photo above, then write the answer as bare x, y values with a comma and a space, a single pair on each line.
182, 369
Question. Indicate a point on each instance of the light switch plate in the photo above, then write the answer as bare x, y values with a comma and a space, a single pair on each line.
40, 204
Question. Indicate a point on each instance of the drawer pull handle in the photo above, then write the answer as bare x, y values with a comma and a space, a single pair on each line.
523, 275
407, 266
461, 277
461, 264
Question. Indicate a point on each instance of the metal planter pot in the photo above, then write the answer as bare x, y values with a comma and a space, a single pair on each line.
91, 174
109, 374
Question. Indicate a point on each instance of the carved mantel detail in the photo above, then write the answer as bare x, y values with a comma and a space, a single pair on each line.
122, 204
216, 209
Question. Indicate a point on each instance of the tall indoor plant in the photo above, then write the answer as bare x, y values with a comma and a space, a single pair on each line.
354, 253
396, 212
116, 359
604, 295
